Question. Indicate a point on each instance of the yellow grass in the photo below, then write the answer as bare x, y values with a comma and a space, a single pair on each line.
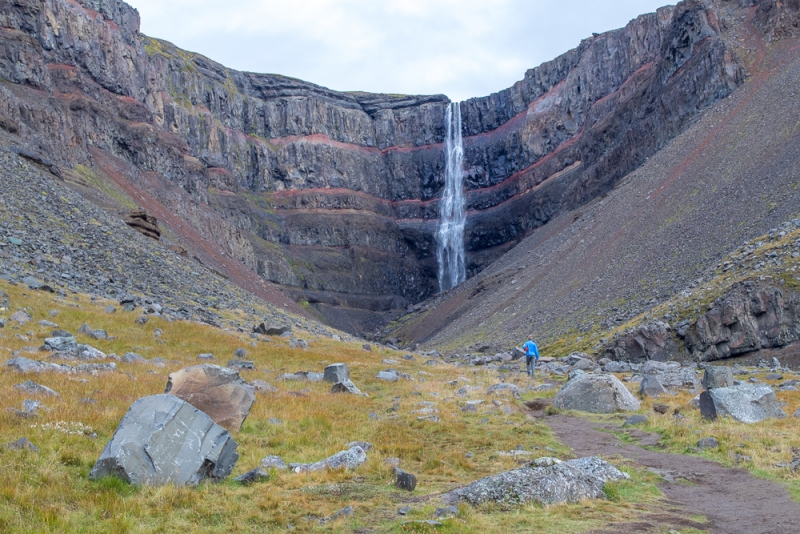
49, 491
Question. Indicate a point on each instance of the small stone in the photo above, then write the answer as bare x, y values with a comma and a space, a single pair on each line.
708, 443
274, 421
132, 357
21, 317
635, 420
22, 444
366, 445
367, 347
205, 356
263, 387
142, 319
273, 462
238, 365
660, 408
110, 309
773, 376
404, 510
447, 511
405, 481
252, 476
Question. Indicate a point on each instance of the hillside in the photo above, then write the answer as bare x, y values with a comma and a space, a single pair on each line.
731, 177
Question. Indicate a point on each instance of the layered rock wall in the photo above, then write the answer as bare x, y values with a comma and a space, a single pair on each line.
335, 194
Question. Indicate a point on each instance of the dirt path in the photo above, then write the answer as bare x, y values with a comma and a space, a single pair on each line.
732, 500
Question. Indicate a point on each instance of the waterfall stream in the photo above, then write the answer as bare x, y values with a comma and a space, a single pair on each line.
452, 208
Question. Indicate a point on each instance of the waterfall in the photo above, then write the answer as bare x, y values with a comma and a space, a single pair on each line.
452, 207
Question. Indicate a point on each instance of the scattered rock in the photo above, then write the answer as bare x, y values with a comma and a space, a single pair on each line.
651, 387
29, 386
672, 374
263, 387
365, 445
346, 386
21, 317
273, 462
205, 356
61, 344
717, 376
110, 309
298, 344
389, 376
163, 439
142, 319
132, 357
708, 443
142, 222
367, 347
660, 408
635, 420
219, 392
570, 481
746, 403
503, 388
252, 476
349, 459
21, 364
272, 330
337, 372
238, 365
773, 376
595, 394
22, 444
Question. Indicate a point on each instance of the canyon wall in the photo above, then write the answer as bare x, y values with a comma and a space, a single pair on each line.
332, 195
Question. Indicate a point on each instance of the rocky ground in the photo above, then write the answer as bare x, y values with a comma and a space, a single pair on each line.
51, 235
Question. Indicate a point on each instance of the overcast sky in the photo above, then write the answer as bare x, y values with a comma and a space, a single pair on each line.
461, 48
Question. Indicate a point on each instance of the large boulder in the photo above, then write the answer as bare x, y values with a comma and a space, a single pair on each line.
163, 439
336, 373
215, 390
564, 482
718, 376
672, 375
595, 394
746, 403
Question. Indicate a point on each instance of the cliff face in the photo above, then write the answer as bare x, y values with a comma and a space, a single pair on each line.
335, 195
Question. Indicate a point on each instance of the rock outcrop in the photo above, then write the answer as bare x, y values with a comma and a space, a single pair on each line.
750, 317
334, 195
163, 440
143, 223
653, 341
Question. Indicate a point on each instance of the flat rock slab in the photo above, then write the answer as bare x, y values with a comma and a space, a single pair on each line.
565, 482
165, 440
595, 394
219, 392
733, 501
21, 364
349, 459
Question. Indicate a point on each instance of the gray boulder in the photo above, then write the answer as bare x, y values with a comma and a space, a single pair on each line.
163, 439
219, 392
565, 482
503, 388
61, 344
349, 459
21, 317
595, 394
672, 375
617, 367
337, 372
273, 462
746, 403
346, 386
717, 376
651, 387
389, 376
29, 386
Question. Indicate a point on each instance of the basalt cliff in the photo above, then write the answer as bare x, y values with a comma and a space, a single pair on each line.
331, 196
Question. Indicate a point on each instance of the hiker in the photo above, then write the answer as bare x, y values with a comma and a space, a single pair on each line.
531, 352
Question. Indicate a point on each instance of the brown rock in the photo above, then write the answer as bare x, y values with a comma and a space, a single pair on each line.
143, 223
215, 390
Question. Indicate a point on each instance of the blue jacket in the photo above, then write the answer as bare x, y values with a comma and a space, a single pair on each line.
531, 350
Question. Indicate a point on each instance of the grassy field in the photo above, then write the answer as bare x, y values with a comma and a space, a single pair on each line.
49, 491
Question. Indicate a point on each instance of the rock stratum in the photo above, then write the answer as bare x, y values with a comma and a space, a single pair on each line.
333, 196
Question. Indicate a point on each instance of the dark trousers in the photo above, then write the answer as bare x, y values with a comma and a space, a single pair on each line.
530, 364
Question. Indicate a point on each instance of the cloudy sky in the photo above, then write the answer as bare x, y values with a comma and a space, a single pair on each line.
461, 48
